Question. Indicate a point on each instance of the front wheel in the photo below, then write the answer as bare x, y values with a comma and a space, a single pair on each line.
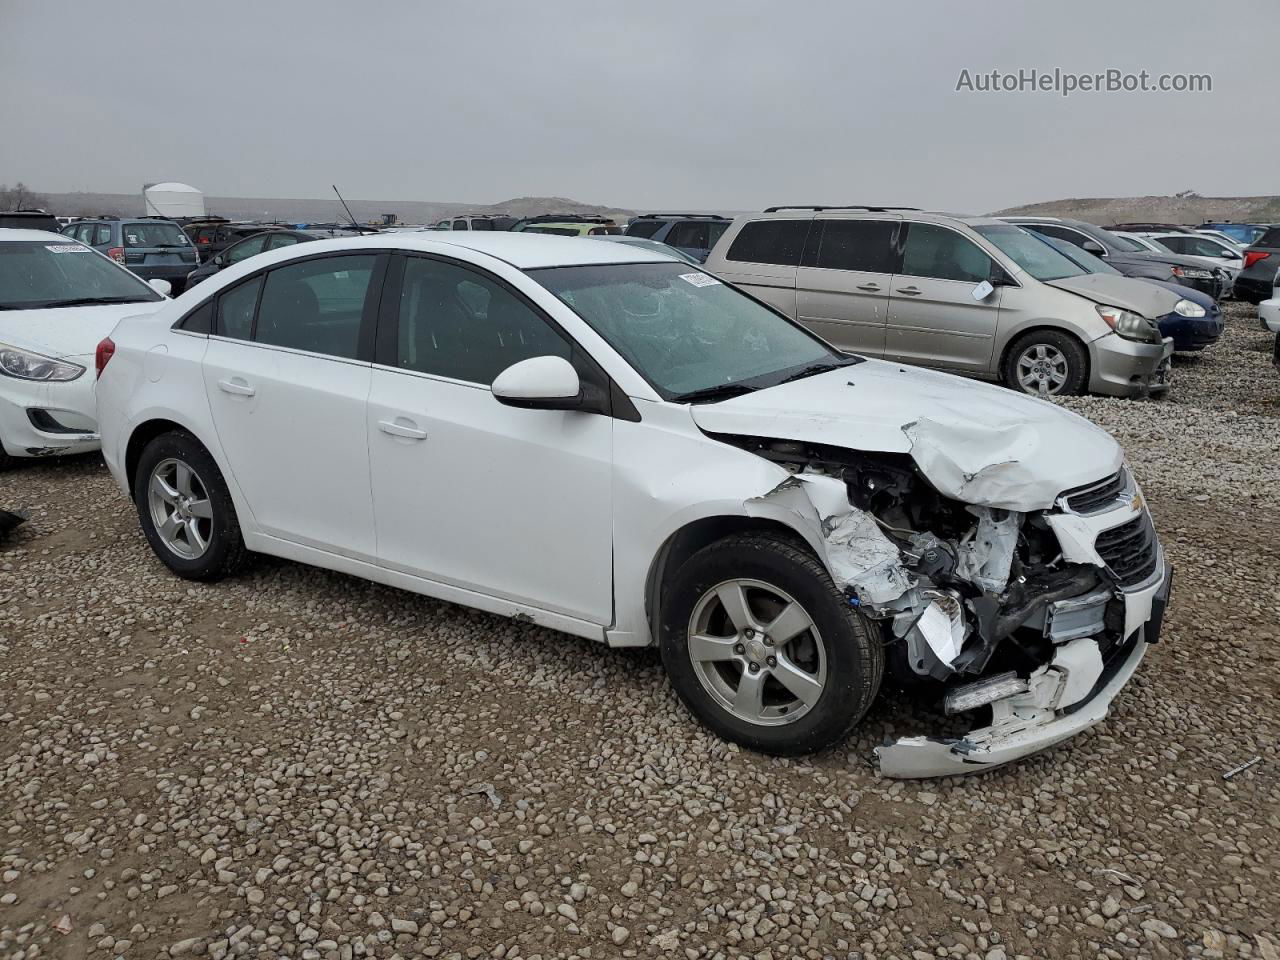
763, 648
1046, 363
186, 510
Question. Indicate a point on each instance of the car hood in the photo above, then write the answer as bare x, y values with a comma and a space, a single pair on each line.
976, 443
1173, 259
67, 331
1125, 292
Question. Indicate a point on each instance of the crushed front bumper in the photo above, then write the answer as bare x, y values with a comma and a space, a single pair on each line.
1065, 697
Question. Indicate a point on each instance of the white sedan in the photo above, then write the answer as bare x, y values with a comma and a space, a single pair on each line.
611, 443
58, 299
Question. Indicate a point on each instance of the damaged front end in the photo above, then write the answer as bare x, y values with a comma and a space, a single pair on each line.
1030, 620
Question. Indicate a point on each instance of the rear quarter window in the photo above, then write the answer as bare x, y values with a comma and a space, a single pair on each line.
770, 241
1269, 239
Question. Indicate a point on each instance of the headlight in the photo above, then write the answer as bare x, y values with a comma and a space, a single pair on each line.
25, 365
1192, 273
1130, 325
1185, 308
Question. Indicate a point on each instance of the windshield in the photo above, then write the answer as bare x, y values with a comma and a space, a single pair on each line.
686, 332
1084, 258
1030, 252
35, 274
154, 235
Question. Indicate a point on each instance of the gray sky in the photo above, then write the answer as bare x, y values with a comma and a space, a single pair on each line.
660, 103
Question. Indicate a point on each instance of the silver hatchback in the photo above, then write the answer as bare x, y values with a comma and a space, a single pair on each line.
969, 294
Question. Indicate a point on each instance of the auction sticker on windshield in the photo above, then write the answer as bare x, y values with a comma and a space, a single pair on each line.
699, 279
66, 248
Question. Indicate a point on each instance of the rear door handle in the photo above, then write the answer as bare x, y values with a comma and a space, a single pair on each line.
872, 287
910, 291
402, 427
236, 387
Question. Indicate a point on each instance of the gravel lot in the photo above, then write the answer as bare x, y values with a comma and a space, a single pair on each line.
297, 763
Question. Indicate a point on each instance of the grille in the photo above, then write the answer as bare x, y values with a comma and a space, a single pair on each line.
1095, 496
1129, 550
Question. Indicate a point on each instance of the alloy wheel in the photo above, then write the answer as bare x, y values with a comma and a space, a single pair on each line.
180, 508
1043, 369
757, 652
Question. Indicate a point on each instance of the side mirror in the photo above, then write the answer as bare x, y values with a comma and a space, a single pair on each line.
162, 287
1094, 247
983, 290
539, 383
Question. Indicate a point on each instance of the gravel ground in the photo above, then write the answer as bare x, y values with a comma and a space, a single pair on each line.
297, 763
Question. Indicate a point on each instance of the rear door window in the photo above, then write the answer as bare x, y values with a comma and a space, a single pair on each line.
943, 254
101, 234
770, 241
862, 245
316, 305
278, 240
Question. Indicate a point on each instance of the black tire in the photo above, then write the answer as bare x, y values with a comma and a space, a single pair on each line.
852, 646
226, 552
1071, 349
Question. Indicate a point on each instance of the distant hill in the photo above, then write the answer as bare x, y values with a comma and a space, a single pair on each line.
1191, 209
296, 210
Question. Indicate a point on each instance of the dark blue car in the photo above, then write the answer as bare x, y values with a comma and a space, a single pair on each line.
1195, 323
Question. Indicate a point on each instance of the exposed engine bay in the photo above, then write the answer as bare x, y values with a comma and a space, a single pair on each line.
978, 605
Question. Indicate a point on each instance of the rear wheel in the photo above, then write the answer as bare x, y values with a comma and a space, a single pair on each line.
186, 510
1046, 363
763, 648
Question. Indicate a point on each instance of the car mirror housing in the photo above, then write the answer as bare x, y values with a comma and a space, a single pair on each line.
539, 383
983, 290
162, 287
1094, 247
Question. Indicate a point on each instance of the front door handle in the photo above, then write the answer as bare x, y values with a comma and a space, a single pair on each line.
236, 387
870, 287
910, 291
402, 427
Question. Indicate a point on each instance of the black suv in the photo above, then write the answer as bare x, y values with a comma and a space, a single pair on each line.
691, 233
29, 220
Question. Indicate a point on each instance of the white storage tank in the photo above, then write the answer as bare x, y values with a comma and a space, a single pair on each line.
172, 200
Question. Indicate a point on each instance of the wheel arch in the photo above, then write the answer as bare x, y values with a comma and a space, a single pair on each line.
692, 537
146, 431
1047, 327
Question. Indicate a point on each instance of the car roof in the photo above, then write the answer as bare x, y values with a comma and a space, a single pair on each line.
872, 213
525, 251
17, 234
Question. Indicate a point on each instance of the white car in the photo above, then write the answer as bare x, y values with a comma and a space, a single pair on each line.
1227, 241
1269, 311
1210, 250
58, 299
603, 441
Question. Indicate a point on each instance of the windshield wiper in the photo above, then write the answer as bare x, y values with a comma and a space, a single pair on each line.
721, 391
84, 302
825, 366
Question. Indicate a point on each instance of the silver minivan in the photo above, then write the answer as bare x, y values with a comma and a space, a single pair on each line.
970, 294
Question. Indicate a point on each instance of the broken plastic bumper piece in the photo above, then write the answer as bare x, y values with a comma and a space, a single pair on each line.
1060, 702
